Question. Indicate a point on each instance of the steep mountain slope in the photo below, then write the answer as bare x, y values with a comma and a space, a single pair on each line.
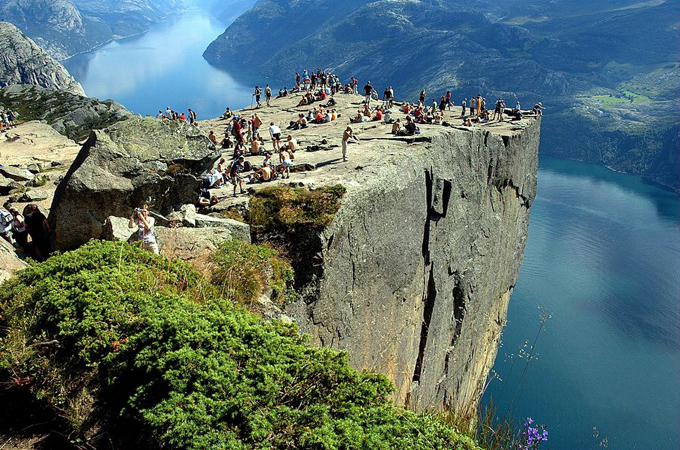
24, 62
599, 67
68, 27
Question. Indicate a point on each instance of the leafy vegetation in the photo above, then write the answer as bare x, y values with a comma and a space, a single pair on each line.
111, 331
291, 209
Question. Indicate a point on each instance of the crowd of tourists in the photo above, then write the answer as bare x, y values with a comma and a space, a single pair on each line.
243, 138
172, 115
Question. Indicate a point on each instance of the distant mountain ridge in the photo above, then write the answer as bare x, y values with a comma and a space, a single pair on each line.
584, 60
22, 61
68, 27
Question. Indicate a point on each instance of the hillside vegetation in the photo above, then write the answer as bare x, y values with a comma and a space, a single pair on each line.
135, 350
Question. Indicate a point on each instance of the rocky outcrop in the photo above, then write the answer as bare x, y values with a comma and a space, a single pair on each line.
9, 261
24, 62
135, 161
415, 272
70, 114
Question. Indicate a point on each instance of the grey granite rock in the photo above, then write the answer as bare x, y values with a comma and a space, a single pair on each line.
24, 62
116, 171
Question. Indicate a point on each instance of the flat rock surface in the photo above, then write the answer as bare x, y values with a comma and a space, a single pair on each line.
376, 147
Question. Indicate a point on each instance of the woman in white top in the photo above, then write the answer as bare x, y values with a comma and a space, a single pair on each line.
145, 228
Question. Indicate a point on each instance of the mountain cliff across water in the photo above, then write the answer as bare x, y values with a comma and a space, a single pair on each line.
67, 27
607, 72
24, 62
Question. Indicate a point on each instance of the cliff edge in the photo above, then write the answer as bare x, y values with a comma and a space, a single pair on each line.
414, 275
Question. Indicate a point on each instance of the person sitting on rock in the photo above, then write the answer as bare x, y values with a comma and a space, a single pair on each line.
226, 142
6, 219
205, 198
19, 231
227, 113
255, 147
409, 128
396, 127
378, 115
467, 122
212, 137
291, 144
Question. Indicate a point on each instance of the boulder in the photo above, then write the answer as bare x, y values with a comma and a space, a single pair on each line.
116, 229
32, 196
193, 244
240, 230
185, 216
9, 261
119, 169
16, 173
34, 168
5, 185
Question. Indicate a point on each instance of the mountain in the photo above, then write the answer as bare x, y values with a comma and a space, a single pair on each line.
68, 27
598, 67
22, 61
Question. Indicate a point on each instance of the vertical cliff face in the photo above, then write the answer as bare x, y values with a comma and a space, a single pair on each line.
420, 262
23, 62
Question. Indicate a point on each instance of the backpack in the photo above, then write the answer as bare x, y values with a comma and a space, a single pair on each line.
6, 218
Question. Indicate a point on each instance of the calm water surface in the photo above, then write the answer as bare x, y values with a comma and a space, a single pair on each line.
603, 257
164, 67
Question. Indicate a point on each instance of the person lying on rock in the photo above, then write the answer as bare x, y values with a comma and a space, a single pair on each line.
145, 228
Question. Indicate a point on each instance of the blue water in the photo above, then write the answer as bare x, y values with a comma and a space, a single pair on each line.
165, 67
603, 257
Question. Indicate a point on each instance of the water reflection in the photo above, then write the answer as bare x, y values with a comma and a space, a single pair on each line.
163, 67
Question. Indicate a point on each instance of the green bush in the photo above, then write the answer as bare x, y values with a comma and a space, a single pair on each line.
110, 327
290, 209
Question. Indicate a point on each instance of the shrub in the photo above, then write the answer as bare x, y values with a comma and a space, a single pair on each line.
290, 209
244, 272
110, 327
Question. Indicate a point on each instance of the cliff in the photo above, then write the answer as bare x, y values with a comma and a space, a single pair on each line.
24, 62
414, 274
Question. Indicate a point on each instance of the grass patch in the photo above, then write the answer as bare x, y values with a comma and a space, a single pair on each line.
292, 209
243, 272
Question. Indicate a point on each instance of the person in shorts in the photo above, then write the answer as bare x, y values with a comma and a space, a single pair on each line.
275, 133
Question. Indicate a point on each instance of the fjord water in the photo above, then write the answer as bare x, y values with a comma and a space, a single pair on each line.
163, 67
603, 257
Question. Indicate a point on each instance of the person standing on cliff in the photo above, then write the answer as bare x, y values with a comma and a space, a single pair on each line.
346, 136
422, 97
463, 105
473, 105
257, 94
368, 90
268, 95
